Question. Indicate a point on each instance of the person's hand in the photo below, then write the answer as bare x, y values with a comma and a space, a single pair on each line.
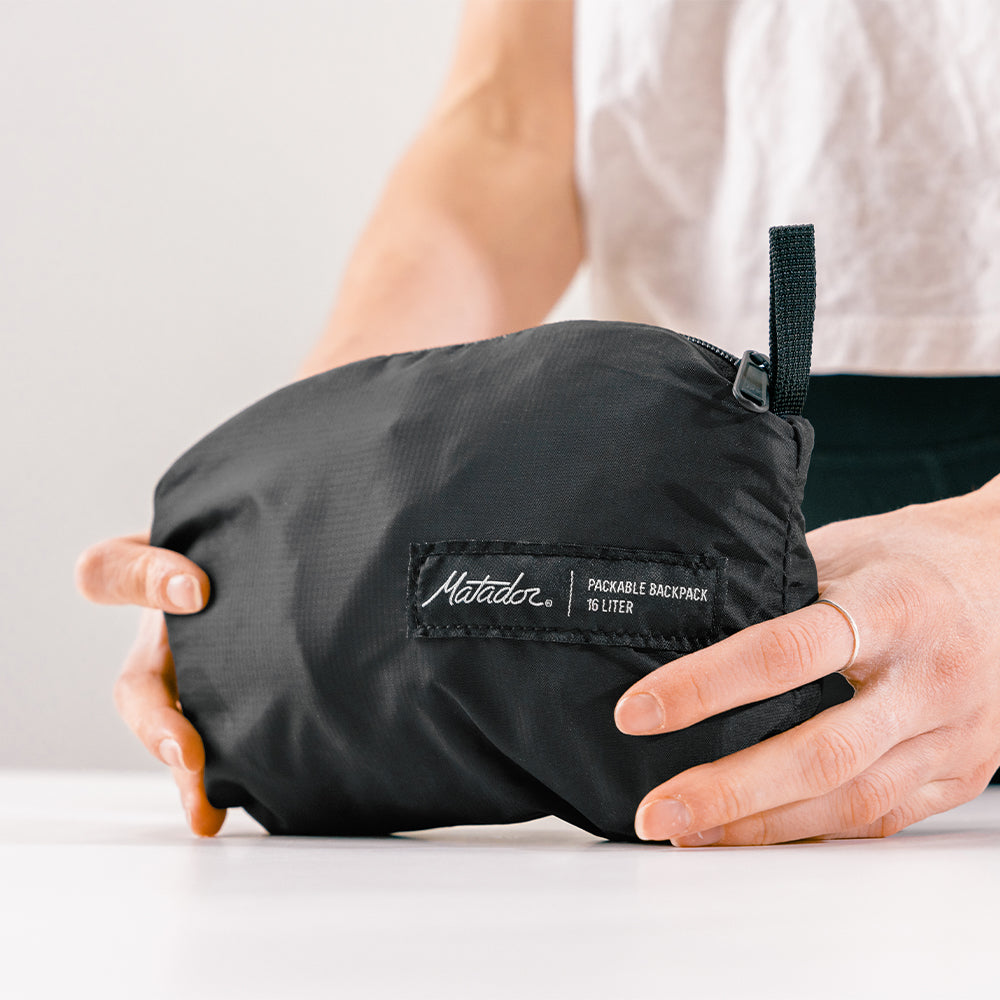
921, 733
129, 571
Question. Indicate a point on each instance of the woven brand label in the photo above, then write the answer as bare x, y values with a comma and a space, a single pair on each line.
555, 592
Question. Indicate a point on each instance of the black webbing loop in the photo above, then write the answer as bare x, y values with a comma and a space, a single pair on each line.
793, 307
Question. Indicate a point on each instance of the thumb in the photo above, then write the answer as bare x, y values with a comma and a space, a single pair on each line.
128, 570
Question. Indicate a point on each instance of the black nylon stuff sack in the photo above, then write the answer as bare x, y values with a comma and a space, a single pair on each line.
433, 574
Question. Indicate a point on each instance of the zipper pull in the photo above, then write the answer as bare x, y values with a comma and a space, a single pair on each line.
752, 383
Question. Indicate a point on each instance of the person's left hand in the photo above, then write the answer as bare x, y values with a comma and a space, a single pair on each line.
128, 570
921, 733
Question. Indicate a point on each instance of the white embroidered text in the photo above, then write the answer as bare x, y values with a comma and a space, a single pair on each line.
461, 590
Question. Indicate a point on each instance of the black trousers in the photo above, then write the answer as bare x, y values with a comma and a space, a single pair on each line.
886, 441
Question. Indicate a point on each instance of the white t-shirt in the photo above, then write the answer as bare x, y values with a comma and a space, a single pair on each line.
701, 123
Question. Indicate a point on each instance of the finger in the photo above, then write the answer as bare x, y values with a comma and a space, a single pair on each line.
145, 695
925, 801
203, 818
933, 797
856, 805
128, 570
812, 759
756, 663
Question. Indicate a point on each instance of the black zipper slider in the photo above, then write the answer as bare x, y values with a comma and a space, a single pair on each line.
751, 387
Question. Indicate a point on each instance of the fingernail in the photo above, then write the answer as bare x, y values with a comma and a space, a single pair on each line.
170, 753
704, 839
183, 592
662, 819
638, 713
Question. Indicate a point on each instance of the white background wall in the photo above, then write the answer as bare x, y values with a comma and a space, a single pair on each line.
180, 187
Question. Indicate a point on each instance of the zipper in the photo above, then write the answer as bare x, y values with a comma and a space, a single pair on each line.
752, 383
731, 358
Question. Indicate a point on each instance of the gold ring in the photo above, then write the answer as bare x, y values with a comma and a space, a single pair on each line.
854, 630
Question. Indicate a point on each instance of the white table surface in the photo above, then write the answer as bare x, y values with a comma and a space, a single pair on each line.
106, 894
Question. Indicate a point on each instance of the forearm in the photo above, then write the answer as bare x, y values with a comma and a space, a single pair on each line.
477, 231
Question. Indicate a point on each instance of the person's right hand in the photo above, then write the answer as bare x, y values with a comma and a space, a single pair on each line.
129, 570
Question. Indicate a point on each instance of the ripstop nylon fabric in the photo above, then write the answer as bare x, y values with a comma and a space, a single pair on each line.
434, 574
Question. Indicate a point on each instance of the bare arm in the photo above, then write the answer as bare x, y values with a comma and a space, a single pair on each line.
477, 231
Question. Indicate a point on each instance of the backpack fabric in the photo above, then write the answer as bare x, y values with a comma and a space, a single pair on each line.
433, 574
